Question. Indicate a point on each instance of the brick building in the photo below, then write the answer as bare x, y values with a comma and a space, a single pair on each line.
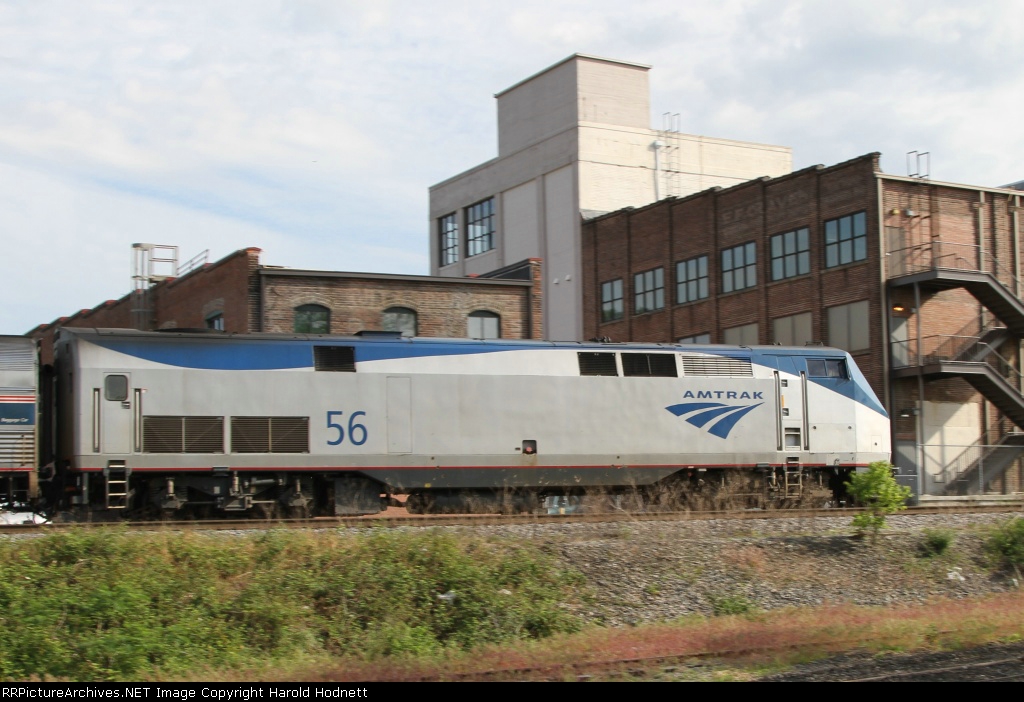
238, 294
919, 280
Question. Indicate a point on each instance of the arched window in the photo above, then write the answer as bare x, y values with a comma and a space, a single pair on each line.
312, 319
399, 319
483, 325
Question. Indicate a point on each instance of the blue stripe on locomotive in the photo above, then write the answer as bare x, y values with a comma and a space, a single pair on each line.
242, 354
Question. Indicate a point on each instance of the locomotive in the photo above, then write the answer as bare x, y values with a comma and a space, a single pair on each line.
172, 424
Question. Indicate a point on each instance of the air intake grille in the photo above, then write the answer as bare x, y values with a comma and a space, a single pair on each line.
17, 356
334, 358
596, 363
662, 365
17, 449
270, 434
716, 366
182, 434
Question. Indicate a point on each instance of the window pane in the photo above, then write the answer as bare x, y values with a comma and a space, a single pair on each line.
860, 248
831, 232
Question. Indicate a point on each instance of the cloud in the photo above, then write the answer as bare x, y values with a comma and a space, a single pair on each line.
313, 128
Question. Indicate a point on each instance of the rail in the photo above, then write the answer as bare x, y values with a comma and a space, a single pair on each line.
950, 347
978, 457
945, 255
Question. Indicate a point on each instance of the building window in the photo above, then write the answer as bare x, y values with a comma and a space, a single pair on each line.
791, 254
846, 240
482, 324
794, 330
480, 227
448, 235
649, 291
399, 319
611, 300
696, 339
848, 326
741, 336
692, 279
739, 267
312, 319
215, 321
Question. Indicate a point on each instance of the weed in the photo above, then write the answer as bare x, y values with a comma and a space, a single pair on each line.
731, 604
1006, 544
936, 542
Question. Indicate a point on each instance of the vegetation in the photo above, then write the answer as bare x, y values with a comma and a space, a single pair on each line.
936, 542
877, 491
1006, 543
87, 605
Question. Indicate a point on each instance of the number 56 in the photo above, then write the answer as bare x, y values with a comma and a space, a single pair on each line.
356, 431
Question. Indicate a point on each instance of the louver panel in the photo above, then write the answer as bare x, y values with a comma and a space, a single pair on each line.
270, 434
334, 358
289, 434
182, 434
17, 356
162, 434
17, 449
597, 363
716, 366
661, 365
204, 434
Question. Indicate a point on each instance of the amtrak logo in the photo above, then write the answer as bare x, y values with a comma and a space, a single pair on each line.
703, 412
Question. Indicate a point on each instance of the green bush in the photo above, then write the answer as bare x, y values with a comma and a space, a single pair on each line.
877, 491
936, 542
87, 605
1006, 544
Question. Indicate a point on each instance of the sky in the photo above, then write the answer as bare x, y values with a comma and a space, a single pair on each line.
312, 129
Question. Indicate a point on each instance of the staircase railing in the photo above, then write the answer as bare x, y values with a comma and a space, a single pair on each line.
972, 459
949, 256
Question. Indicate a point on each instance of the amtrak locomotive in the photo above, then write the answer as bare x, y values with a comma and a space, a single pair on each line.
211, 424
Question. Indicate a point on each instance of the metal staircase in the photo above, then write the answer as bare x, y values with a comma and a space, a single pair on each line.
975, 468
971, 355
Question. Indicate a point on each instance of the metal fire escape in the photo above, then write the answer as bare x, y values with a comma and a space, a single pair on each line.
972, 354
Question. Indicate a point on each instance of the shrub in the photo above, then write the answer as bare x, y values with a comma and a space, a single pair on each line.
936, 542
1006, 543
877, 491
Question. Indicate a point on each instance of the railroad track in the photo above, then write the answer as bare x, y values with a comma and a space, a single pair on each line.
403, 520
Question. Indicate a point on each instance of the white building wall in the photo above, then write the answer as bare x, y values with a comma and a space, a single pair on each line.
949, 428
522, 221
562, 293
575, 137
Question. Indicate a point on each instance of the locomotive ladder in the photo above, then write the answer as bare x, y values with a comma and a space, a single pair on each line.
116, 484
794, 479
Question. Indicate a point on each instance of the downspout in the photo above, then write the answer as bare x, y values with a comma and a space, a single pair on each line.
657, 168
920, 393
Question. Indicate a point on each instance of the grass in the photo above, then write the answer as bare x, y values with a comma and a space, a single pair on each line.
731, 647
101, 605
387, 605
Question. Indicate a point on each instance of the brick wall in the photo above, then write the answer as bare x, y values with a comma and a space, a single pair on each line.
630, 241
957, 226
442, 305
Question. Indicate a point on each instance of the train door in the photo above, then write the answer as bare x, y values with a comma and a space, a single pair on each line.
791, 430
114, 415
